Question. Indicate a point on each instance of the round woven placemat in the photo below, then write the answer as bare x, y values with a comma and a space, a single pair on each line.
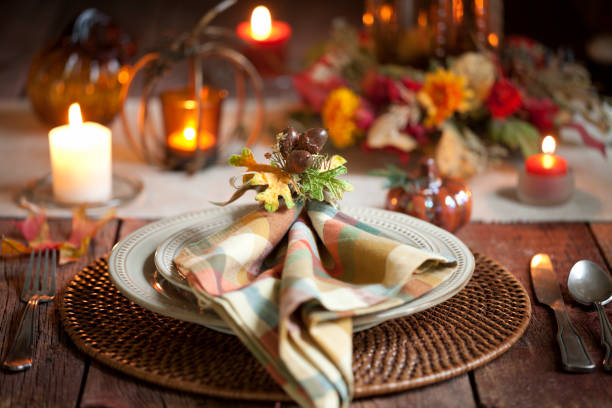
468, 330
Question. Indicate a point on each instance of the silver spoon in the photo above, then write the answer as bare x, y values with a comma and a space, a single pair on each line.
588, 283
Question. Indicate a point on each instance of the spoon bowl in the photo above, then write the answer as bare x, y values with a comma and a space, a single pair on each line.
588, 283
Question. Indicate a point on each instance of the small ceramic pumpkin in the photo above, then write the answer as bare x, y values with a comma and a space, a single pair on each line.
444, 201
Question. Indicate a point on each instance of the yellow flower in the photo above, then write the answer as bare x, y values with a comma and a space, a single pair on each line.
339, 117
443, 94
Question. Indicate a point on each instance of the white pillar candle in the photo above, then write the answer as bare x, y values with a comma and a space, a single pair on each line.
80, 160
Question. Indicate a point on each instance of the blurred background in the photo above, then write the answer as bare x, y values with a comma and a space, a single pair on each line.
581, 27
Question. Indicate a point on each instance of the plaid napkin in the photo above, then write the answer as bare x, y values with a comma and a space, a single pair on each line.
289, 282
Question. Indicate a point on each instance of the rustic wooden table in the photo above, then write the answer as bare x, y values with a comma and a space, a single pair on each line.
528, 375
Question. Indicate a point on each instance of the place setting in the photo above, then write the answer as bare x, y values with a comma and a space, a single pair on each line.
236, 270
404, 206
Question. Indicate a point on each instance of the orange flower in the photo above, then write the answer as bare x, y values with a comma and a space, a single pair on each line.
338, 115
443, 94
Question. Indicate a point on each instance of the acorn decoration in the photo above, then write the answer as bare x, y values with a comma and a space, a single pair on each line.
298, 148
443, 201
298, 170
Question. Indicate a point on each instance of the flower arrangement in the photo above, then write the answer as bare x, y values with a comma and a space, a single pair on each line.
474, 107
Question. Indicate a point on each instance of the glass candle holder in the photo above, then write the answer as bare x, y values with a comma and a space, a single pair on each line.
179, 110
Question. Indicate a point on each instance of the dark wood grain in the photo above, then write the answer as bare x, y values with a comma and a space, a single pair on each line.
56, 376
529, 374
603, 235
455, 392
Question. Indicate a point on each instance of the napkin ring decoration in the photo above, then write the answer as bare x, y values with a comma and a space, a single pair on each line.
297, 171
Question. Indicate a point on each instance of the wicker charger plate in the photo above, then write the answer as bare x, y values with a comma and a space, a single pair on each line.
468, 330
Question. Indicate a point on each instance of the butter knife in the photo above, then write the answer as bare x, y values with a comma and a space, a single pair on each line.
573, 352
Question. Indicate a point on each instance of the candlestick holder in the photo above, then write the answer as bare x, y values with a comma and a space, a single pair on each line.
191, 138
40, 192
535, 189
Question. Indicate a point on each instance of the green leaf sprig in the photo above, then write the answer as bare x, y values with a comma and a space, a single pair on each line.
314, 184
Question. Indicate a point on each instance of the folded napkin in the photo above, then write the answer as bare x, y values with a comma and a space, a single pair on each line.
288, 283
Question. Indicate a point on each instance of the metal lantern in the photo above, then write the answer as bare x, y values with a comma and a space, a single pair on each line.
201, 148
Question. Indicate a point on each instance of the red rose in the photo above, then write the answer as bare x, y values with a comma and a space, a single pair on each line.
504, 99
542, 113
376, 88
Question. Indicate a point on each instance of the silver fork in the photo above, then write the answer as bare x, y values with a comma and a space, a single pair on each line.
39, 287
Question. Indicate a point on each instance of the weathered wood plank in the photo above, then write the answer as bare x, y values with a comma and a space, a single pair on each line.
603, 234
58, 368
455, 392
108, 388
530, 374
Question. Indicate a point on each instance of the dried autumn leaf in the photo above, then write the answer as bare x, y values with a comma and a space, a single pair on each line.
83, 229
12, 247
246, 159
277, 185
35, 230
336, 161
276, 180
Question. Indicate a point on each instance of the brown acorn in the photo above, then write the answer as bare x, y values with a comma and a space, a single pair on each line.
312, 140
298, 161
287, 141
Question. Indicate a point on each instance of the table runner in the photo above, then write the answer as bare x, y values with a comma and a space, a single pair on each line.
24, 140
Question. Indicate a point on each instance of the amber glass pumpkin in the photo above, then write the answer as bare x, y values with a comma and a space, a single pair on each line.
84, 65
443, 201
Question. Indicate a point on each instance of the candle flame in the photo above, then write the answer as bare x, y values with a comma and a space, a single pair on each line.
189, 133
422, 19
493, 39
368, 19
548, 145
458, 10
386, 12
189, 104
261, 23
74, 114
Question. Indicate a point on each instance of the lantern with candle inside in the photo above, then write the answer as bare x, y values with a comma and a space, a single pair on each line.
190, 139
546, 178
80, 160
266, 41
180, 112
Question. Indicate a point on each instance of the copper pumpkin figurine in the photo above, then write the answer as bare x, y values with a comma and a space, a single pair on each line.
443, 201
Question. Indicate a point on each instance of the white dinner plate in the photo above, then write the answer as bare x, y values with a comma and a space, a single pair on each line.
133, 261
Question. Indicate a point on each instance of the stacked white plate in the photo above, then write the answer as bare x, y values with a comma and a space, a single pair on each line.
142, 268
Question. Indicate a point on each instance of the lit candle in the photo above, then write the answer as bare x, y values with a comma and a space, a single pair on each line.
546, 163
185, 140
80, 160
546, 178
267, 41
